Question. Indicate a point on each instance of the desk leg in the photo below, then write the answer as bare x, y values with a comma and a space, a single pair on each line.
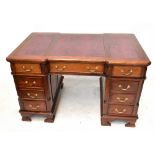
105, 121
56, 96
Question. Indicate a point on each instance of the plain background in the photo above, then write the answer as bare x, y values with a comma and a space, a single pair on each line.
77, 128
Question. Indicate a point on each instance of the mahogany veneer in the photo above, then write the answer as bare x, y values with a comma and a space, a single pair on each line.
38, 62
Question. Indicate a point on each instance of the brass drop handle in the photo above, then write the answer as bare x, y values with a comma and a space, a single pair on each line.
120, 112
60, 69
124, 99
34, 108
32, 96
120, 86
27, 70
91, 69
34, 82
129, 72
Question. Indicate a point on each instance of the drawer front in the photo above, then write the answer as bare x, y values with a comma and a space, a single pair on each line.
124, 86
34, 105
127, 71
124, 99
90, 68
29, 82
120, 110
32, 94
27, 68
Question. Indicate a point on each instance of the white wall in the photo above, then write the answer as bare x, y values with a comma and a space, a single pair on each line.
18, 18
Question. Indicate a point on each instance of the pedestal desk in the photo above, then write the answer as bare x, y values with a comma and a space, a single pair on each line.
39, 62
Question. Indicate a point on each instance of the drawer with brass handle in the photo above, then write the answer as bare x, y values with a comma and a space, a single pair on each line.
120, 110
27, 68
34, 107
60, 68
124, 99
29, 82
31, 94
79, 68
92, 69
127, 71
29, 105
124, 86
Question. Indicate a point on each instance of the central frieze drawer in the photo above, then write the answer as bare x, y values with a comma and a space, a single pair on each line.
69, 67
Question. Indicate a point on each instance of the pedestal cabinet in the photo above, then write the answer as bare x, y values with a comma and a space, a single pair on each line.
37, 89
120, 94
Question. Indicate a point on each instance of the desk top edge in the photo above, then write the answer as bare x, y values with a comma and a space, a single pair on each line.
144, 60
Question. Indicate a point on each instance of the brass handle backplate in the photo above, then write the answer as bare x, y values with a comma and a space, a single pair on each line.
33, 83
26, 82
126, 73
34, 108
92, 69
32, 96
60, 69
120, 112
27, 69
124, 89
124, 99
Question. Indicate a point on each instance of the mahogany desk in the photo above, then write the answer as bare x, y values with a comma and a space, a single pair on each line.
38, 63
